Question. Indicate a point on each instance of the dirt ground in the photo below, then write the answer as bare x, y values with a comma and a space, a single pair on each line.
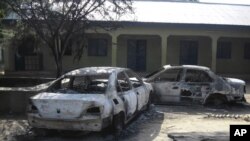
161, 123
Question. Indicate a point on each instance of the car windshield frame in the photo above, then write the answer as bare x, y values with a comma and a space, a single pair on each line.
154, 73
93, 86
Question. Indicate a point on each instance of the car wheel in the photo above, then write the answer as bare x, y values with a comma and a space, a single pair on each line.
216, 101
40, 132
118, 125
149, 101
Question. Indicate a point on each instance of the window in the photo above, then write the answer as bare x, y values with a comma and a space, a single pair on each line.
65, 83
134, 79
60, 85
97, 47
33, 62
154, 73
197, 76
122, 82
136, 54
224, 50
247, 51
86, 84
91, 83
189, 52
170, 75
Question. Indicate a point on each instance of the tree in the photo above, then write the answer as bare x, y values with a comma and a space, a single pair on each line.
3, 10
57, 21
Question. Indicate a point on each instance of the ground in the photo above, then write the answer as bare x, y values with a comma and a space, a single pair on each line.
160, 123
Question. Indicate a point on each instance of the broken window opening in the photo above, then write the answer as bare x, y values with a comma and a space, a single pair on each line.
170, 75
123, 83
86, 84
197, 76
134, 79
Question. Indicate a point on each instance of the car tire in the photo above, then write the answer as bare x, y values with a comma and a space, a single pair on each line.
118, 125
216, 101
149, 101
40, 132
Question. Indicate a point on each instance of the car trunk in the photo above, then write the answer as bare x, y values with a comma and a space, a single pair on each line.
66, 106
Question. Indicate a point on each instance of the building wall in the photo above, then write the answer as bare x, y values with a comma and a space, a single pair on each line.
85, 61
204, 49
236, 64
156, 36
153, 53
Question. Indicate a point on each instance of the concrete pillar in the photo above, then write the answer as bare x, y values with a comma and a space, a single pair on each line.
114, 50
164, 38
7, 58
214, 52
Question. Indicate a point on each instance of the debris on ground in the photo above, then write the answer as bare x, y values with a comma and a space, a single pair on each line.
194, 136
229, 116
11, 128
147, 116
160, 122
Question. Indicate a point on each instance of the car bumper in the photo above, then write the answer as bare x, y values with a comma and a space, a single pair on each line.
235, 98
94, 124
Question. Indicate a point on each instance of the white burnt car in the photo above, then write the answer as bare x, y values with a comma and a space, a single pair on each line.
194, 84
90, 99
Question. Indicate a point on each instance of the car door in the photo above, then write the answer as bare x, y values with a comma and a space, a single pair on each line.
167, 85
197, 84
127, 94
139, 89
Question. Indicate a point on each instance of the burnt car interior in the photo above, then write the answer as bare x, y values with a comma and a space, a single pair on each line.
85, 84
197, 76
122, 83
134, 79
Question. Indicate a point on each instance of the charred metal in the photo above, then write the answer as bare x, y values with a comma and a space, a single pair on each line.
190, 83
89, 99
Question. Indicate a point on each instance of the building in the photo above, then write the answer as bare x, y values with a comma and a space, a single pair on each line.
164, 32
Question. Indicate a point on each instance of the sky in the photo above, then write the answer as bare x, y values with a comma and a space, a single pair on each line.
247, 2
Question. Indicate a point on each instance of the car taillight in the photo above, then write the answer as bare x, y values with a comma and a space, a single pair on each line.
94, 110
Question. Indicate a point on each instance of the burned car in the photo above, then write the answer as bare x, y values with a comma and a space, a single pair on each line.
90, 99
194, 84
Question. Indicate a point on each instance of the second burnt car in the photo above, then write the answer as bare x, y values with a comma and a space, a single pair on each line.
194, 84
90, 99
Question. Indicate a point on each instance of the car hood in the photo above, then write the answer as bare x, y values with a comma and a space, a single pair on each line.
235, 81
237, 85
68, 106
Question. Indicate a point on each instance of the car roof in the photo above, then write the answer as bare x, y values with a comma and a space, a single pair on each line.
187, 66
95, 70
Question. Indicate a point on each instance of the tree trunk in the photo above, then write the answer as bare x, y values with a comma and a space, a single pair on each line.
59, 68
58, 56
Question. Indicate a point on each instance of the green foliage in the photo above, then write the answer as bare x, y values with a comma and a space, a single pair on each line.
22, 31
3, 11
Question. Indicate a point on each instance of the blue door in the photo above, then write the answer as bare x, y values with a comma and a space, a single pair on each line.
189, 52
136, 55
